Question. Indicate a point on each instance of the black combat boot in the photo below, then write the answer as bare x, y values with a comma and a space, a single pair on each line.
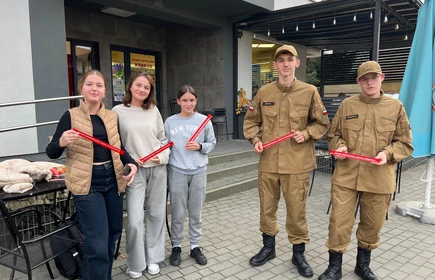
300, 262
362, 268
266, 253
333, 272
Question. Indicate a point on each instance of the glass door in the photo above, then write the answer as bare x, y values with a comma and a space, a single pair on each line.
128, 61
82, 56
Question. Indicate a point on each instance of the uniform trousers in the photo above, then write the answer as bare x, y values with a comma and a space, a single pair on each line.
187, 192
147, 190
373, 210
295, 190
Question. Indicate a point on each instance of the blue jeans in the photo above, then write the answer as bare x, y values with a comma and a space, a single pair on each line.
100, 217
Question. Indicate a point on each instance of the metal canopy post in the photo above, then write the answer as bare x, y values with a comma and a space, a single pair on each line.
376, 31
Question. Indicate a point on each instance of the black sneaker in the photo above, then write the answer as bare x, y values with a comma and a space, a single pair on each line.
197, 254
175, 258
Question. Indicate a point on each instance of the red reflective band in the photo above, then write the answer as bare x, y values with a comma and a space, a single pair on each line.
277, 140
99, 142
156, 152
251, 108
200, 128
325, 112
355, 156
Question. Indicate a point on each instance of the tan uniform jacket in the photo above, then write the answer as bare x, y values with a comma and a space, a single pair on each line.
278, 110
367, 126
80, 154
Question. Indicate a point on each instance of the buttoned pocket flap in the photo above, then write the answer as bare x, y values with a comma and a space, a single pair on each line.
352, 126
386, 128
269, 111
300, 113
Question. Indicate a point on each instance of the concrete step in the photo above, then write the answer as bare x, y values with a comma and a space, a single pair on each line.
229, 157
230, 185
232, 172
232, 168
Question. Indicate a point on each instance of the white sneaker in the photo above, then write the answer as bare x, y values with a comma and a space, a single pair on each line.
153, 268
133, 274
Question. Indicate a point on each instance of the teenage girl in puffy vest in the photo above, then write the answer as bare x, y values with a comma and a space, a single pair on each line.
142, 131
187, 177
94, 174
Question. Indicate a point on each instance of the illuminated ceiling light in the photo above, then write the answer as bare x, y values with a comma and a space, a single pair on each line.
334, 22
396, 27
354, 17
297, 27
385, 18
268, 46
406, 36
255, 35
268, 32
283, 31
314, 24
371, 14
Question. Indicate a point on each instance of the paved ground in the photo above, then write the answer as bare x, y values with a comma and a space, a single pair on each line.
231, 237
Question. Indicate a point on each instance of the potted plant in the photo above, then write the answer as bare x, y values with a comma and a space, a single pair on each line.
243, 106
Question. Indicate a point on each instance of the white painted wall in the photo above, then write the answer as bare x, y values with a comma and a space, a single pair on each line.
245, 64
16, 81
284, 4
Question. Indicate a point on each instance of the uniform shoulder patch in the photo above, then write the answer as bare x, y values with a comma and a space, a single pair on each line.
351, 117
269, 103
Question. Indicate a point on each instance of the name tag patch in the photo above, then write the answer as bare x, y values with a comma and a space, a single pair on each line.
351, 117
268, 103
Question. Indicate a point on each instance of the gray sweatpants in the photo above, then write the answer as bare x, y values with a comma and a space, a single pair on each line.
148, 189
187, 192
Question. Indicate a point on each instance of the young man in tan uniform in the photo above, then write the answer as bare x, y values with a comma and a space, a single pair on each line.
373, 125
279, 108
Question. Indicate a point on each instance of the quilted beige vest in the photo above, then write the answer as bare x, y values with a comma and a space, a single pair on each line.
80, 154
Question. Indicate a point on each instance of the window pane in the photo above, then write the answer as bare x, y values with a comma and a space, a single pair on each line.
143, 63
118, 75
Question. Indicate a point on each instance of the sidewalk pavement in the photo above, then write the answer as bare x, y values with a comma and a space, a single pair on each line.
231, 237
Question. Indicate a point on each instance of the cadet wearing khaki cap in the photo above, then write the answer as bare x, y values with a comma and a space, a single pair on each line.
373, 125
279, 108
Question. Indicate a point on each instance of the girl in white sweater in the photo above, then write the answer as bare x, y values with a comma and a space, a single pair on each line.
142, 132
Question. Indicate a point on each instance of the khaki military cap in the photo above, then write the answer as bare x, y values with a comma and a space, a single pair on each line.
285, 48
369, 67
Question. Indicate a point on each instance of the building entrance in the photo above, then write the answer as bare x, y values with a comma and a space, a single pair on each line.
127, 61
82, 56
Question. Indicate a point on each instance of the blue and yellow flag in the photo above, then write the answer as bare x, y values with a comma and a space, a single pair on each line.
417, 92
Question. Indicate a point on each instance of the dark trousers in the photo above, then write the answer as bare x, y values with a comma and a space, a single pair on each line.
100, 217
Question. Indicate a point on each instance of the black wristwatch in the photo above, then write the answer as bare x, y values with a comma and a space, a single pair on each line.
200, 147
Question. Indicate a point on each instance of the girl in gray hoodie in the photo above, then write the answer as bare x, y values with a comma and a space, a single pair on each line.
187, 178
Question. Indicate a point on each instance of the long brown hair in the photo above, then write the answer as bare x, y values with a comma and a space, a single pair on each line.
150, 100
87, 74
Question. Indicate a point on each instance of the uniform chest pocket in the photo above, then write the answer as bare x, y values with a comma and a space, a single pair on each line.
269, 118
351, 134
384, 135
298, 119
